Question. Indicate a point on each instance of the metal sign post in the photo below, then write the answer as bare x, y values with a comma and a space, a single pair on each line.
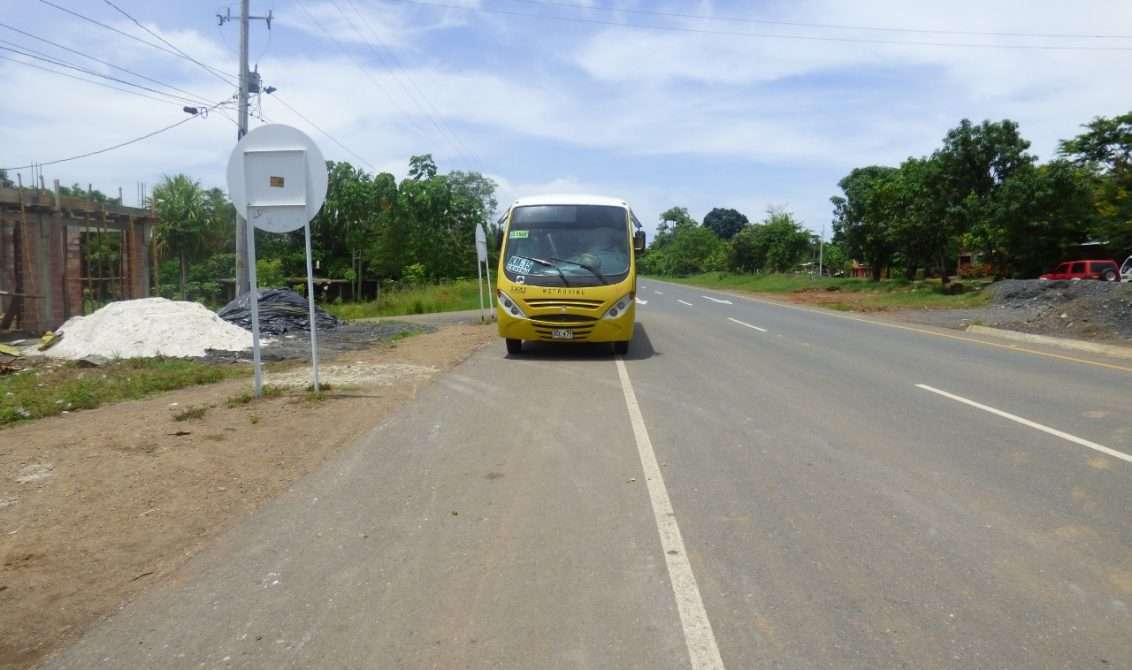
277, 180
253, 298
481, 257
481, 252
310, 303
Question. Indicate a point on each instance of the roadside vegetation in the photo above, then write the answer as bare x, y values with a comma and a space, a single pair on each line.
373, 231
845, 293
46, 391
422, 299
980, 196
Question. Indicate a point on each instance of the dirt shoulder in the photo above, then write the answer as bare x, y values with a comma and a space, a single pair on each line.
97, 506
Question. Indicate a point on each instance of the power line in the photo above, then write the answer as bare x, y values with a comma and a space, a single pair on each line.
98, 60
827, 26
774, 36
89, 81
23, 51
110, 28
213, 71
116, 146
408, 119
317, 127
434, 115
120, 32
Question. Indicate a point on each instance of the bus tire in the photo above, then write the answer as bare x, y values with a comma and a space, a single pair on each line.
621, 348
514, 346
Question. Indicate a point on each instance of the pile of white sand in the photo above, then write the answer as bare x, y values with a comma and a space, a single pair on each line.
149, 327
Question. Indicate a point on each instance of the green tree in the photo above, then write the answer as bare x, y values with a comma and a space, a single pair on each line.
975, 162
182, 228
725, 222
746, 251
862, 217
1105, 149
787, 242
422, 167
5, 182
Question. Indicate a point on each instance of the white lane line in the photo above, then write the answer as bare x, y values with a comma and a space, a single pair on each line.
698, 635
744, 323
683, 302
642, 302
657, 292
1032, 424
722, 302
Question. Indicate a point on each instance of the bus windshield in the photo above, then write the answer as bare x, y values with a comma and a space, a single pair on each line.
572, 245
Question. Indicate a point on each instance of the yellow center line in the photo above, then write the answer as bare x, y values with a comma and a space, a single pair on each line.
1008, 347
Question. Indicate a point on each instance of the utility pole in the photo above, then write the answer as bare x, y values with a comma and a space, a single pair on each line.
243, 281
821, 250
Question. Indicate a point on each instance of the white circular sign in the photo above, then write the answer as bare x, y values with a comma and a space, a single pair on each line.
277, 178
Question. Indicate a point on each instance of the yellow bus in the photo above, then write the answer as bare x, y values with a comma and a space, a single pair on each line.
567, 271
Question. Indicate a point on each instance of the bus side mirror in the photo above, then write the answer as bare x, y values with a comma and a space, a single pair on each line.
639, 241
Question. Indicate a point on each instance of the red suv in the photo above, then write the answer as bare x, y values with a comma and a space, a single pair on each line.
1102, 270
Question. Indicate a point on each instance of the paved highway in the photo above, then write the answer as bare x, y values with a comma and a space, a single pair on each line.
754, 486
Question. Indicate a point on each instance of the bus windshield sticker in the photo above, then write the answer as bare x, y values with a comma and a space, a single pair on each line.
520, 265
519, 234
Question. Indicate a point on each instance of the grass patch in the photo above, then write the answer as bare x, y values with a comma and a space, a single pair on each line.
190, 414
269, 391
450, 297
843, 293
47, 391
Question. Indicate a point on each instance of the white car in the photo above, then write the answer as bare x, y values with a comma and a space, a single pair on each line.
1126, 270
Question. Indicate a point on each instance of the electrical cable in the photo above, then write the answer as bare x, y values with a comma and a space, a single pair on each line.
98, 60
120, 32
24, 51
226, 78
434, 115
408, 120
89, 81
825, 26
773, 36
199, 114
275, 96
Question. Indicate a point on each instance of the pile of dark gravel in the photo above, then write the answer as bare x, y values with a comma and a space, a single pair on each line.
348, 336
1070, 308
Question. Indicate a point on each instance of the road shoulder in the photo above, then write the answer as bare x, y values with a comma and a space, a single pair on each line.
98, 506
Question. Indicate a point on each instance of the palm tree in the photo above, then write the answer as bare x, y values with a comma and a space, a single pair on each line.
182, 221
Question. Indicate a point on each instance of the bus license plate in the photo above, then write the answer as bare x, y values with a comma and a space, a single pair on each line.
562, 334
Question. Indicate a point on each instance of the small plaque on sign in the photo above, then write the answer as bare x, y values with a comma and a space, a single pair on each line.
276, 182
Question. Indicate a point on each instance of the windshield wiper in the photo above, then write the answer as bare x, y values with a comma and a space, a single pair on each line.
583, 266
547, 264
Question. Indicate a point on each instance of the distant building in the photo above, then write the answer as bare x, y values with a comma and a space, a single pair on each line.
60, 255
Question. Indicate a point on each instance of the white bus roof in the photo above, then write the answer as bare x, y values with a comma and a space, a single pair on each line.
567, 199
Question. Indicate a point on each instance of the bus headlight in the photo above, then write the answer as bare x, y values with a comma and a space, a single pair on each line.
510, 306
619, 307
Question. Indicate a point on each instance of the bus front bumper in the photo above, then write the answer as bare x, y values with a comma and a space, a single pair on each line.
600, 330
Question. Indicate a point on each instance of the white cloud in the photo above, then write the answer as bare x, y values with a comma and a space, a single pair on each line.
380, 24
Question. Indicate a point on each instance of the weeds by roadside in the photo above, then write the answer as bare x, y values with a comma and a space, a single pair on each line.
454, 296
269, 391
190, 414
843, 293
53, 389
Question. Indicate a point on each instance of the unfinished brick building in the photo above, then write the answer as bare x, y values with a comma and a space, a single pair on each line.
65, 256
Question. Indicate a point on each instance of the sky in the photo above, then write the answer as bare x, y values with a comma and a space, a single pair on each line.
749, 105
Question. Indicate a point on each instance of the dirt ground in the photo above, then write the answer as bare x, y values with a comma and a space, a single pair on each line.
96, 506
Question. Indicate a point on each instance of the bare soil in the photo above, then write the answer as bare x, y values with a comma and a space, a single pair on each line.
97, 506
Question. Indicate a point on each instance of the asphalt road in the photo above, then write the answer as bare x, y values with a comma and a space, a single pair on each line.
754, 486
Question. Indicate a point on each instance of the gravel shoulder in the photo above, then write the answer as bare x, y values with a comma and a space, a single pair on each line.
99, 505
1085, 310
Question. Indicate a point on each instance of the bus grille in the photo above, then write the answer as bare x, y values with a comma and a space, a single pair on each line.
566, 319
559, 303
